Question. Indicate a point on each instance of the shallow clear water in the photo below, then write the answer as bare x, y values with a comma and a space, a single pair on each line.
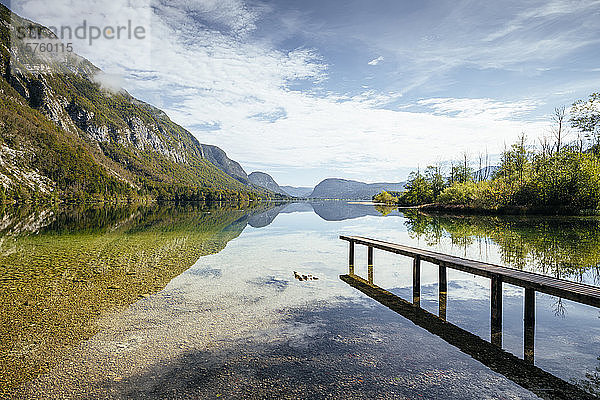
201, 302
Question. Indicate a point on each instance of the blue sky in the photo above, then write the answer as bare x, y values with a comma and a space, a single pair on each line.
367, 90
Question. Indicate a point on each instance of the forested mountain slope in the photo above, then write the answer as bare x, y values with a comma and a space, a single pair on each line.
62, 135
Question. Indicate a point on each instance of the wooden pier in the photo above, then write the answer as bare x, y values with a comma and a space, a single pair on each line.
531, 282
522, 372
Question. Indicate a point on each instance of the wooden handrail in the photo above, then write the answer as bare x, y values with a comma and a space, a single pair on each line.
578, 292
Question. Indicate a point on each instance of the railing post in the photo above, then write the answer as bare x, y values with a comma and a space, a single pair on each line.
496, 317
443, 291
529, 326
351, 259
370, 264
417, 281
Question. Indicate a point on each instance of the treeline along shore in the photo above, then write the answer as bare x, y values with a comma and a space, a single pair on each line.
558, 175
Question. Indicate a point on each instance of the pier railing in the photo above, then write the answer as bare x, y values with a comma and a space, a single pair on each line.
531, 282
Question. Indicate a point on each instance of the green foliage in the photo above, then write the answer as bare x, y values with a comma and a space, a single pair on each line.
515, 163
566, 181
385, 198
561, 181
460, 173
459, 193
422, 189
585, 116
434, 177
418, 190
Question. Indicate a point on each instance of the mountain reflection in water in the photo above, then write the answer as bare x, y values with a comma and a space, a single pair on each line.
61, 270
124, 302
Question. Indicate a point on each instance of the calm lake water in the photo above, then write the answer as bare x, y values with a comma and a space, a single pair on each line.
202, 302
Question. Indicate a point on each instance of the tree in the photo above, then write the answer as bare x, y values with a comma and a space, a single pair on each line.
515, 161
484, 167
385, 198
558, 130
461, 173
435, 179
545, 147
418, 190
585, 116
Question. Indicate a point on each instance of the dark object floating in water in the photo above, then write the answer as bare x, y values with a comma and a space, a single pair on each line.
308, 277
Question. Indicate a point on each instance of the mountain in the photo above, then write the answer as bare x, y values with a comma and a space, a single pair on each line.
297, 191
219, 159
64, 135
265, 181
352, 190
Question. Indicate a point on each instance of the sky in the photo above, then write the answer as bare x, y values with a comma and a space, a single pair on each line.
366, 90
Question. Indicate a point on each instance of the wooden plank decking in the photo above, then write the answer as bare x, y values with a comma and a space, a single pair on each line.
579, 292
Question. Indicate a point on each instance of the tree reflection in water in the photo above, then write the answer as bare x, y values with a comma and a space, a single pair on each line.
563, 247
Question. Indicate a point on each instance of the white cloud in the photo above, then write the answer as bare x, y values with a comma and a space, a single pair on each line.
110, 82
230, 16
376, 61
245, 91
470, 108
541, 14
507, 35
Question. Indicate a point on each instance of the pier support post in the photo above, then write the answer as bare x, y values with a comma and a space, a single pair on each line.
496, 318
443, 292
529, 326
417, 281
351, 259
370, 264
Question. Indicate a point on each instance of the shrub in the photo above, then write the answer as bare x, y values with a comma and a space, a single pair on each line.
385, 198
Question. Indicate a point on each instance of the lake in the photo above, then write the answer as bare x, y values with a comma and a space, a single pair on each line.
202, 301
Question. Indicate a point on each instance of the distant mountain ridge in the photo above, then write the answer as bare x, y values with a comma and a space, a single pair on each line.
343, 189
301, 192
266, 181
332, 188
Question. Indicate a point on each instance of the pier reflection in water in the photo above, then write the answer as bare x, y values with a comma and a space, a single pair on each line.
521, 371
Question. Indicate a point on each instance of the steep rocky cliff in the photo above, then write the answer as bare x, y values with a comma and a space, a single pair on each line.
125, 144
218, 157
